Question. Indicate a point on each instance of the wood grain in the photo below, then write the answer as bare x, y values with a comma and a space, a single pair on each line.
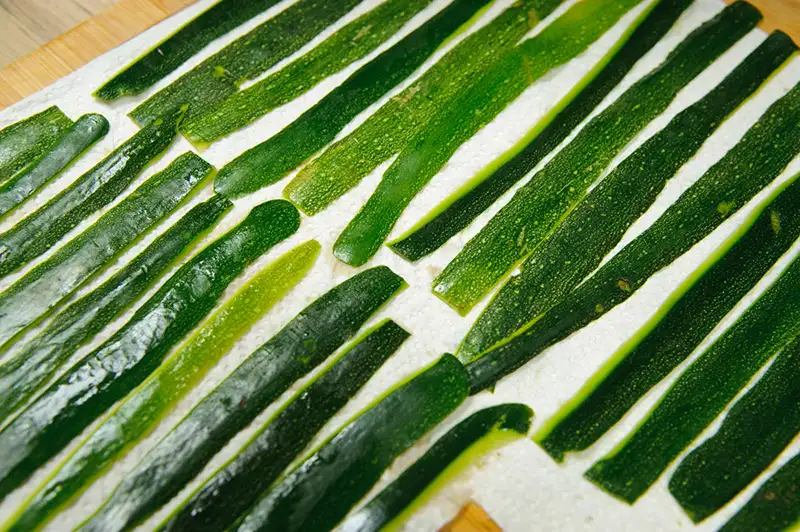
471, 518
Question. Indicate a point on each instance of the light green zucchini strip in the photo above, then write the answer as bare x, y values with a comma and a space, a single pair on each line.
26, 141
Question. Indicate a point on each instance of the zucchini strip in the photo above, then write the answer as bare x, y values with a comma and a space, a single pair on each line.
52, 281
323, 488
112, 370
407, 489
540, 204
591, 230
347, 45
268, 162
752, 164
93, 190
306, 341
143, 408
239, 483
26, 141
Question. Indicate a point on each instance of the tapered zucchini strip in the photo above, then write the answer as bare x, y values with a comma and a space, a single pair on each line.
26, 141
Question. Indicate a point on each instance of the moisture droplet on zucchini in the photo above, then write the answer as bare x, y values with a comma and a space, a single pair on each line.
302, 344
393, 500
323, 488
112, 370
539, 205
26, 141
239, 483
144, 407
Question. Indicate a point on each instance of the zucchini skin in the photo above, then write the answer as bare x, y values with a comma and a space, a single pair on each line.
112, 370
237, 485
270, 370
28, 369
96, 188
382, 509
268, 162
56, 278
26, 141
762, 154
539, 205
321, 490
762, 423
86, 130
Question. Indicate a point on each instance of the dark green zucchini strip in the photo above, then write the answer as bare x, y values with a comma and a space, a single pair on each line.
387, 131
394, 499
753, 163
755, 432
776, 505
234, 488
591, 230
321, 490
26, 370
247, 57
112, 370
540, 204
271, 160
26, 141
39, 231
349, 44
305, 342
52, 281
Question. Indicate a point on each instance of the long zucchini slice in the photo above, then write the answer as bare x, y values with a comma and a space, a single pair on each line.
755, 431
26, 141
239, 483
271, 160
55, 279
591, 230
349, 44
143, 408
306, 341
220, 75
387, 131
753, 163
539, 205
397, 497
321, 490
112, 370
96, 188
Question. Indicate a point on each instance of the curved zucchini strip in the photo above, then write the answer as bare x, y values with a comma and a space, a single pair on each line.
394, 499
96, 188
349, 44
306, 341
26, 141
239, 483
56, 278
322, 489
753, 163
539, 206
112, 370
271, 160
143, 408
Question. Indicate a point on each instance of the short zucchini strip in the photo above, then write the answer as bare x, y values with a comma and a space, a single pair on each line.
143, 408
776, 505
96, 188
112, 370
87, 130
506, 419
591, 230
220, 75
387, 131
52, 281
268, 162
676, 329
539, 206
349, 44
234, 488
753, 163
755, 431
306, 341
25, 141
321, 490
